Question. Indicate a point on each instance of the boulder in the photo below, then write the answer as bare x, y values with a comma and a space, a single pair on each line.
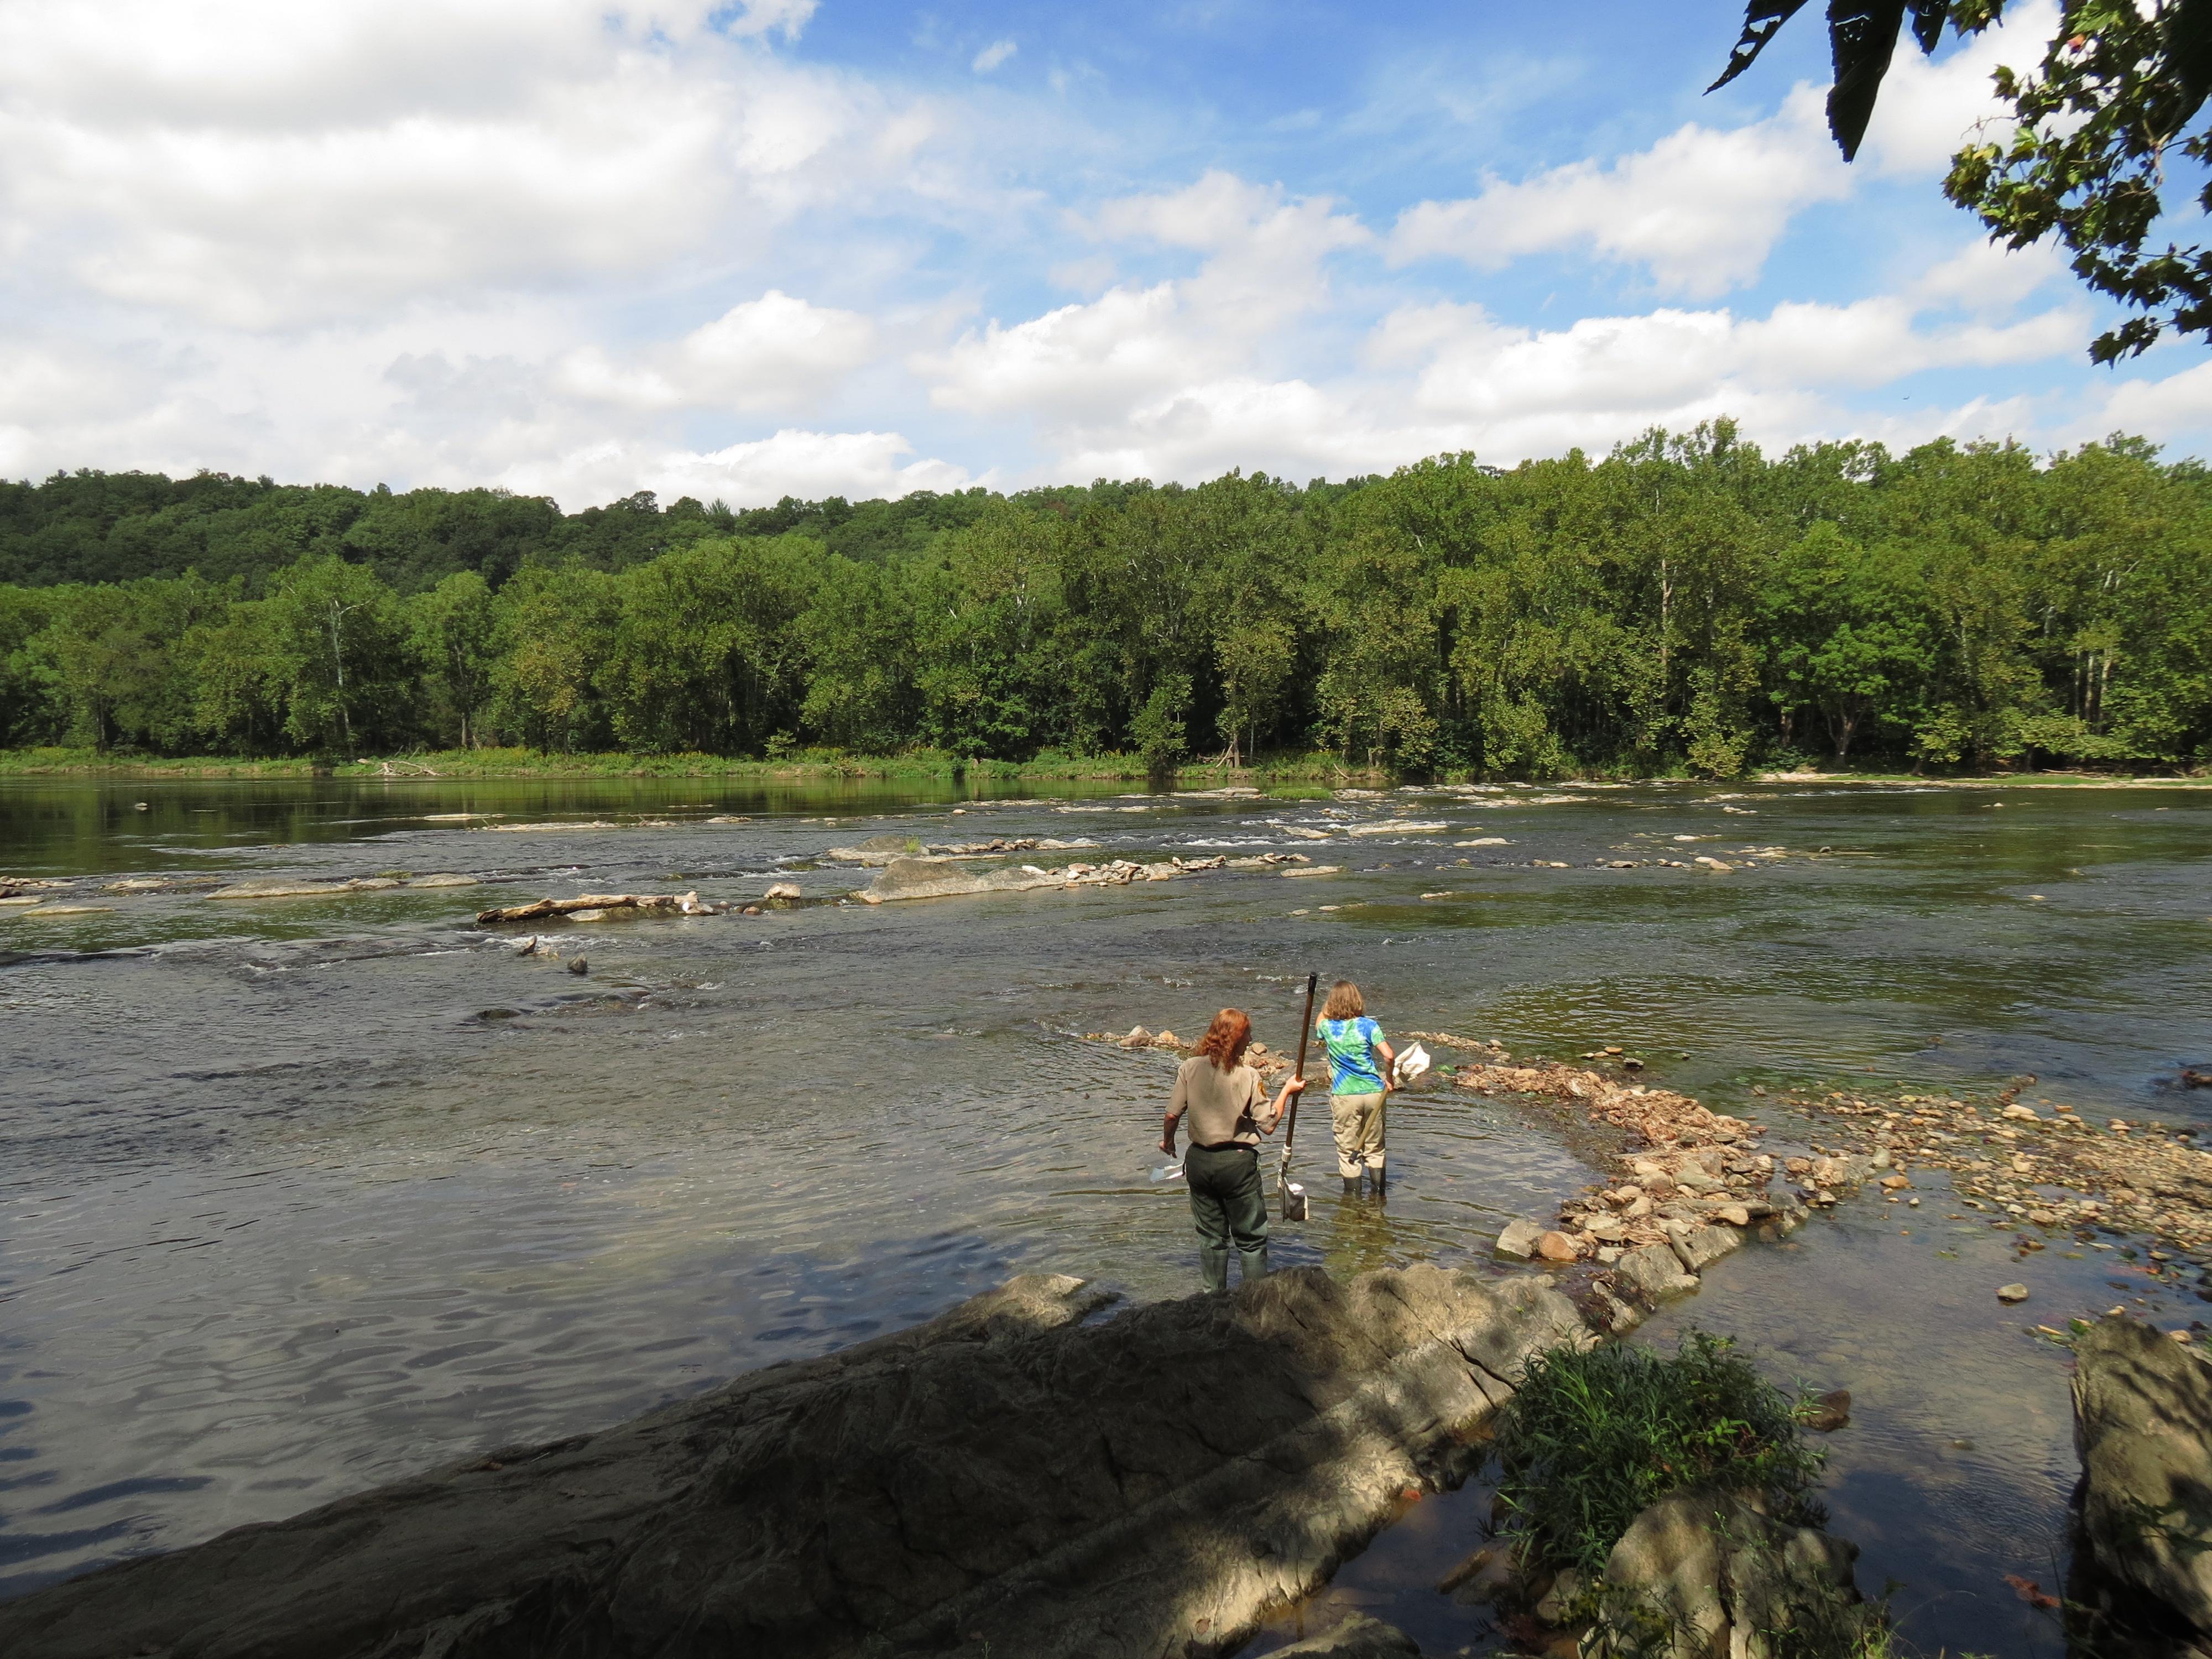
2142, 1424
1654, 1273
1827, 1413
1699, 1247
878, 850
785, 889
1703, 1573
1012, 1478
918, 878
1356, 1638
1518, 1240
1558, 1247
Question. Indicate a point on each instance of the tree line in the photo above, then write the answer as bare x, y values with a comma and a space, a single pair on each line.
1684, 603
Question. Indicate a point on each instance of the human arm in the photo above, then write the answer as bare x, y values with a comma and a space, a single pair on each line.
1290, 1086
1175, 1105
1388, 1055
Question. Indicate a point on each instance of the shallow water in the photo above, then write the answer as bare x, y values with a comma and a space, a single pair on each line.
299, 1194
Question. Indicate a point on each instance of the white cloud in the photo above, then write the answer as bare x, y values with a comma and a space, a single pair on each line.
1081, 362
1987, 276
1929, 106
859, 466
1704, 207
775, 352
261, 166
993, 55
2177, 402
1701, 209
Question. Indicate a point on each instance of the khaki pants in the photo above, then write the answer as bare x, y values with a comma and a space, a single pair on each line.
1357, 1121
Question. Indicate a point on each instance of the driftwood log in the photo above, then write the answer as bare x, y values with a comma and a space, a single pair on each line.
1012, 1478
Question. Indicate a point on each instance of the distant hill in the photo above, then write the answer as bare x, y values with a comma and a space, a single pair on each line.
90, 526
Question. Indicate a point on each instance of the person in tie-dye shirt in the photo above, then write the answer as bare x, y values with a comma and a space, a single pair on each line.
1359, 1063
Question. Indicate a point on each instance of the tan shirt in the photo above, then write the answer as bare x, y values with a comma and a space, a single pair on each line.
1220, 1106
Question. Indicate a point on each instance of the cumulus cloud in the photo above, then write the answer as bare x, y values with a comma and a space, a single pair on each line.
857, 465
775, 352
1701, 209
1264, 269
587, 247
261, 166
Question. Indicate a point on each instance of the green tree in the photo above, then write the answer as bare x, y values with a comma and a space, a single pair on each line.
456, 626
339, 643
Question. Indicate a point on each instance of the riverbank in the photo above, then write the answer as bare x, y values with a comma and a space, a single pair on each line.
1012, 1477
1287, 772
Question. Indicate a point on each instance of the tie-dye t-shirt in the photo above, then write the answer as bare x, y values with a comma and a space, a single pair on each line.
1354, 1066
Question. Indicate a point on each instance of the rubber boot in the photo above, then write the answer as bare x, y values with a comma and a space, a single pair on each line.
1213, 1266
1352, 1186
1375, 1176
1254, 1262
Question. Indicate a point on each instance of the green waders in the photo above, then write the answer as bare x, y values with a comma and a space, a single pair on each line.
1229, 1205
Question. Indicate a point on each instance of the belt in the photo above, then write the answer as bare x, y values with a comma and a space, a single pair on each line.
1223, 1146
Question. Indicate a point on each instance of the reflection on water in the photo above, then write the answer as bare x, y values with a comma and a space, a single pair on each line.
301, 1193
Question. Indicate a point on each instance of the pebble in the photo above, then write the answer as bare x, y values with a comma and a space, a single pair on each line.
2012, 1292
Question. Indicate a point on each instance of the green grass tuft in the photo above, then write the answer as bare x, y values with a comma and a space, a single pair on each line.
1593, 1438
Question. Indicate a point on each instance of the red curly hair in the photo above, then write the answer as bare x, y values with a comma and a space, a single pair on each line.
1224, 1039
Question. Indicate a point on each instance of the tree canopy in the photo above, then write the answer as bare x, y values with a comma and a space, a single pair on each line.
1685, 603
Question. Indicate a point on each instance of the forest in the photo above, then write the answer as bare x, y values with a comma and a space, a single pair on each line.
1682, 604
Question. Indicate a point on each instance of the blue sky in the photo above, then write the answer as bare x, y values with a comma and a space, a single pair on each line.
583, 247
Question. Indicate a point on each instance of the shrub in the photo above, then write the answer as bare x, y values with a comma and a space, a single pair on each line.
1593, 1438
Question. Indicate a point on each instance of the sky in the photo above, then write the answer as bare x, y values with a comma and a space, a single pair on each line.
752, 248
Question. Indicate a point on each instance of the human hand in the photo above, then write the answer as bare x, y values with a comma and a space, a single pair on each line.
1168, 1146
1297, 1085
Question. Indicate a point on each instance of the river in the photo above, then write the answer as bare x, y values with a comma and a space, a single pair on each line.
299, 1194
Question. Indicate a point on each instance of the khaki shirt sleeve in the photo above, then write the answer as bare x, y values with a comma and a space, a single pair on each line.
1179, 1102
1255, 1098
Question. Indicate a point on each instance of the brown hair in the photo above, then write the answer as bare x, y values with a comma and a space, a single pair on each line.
1344, 1002
1224, 1039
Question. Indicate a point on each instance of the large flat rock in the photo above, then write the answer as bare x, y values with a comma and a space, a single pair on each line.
2143, 1422
1011, 1477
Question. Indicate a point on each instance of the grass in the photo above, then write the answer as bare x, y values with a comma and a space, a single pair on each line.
1592, 1439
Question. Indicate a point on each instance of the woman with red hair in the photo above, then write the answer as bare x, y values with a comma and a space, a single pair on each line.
1227, 1104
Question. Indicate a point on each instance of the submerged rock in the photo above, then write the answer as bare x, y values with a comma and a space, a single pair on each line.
2142, 1424
1356, 1638
1007, 1478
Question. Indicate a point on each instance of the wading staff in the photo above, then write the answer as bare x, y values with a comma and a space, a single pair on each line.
1294, 1196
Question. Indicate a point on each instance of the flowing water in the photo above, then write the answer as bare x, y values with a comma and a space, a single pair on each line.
299, 1194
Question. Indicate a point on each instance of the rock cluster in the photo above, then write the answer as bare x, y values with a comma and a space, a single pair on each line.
2047, 1170
1704, 1572
922, 877
879, 850
598, 907
1690, 1184
1013, 1478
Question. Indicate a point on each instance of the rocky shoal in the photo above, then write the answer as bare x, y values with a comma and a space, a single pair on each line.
1685, 1184
1015, 1477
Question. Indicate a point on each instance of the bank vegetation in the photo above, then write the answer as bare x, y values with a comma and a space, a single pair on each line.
1683, 604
